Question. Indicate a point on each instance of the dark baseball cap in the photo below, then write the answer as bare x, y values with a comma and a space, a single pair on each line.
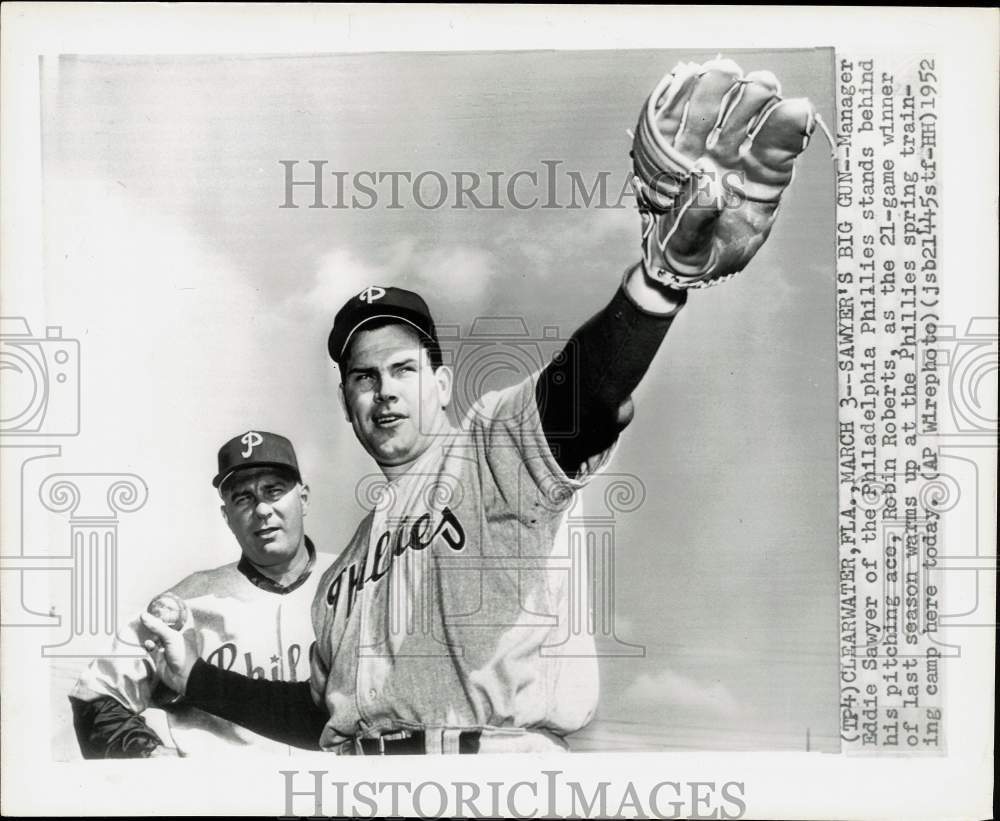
377, 302
256, 449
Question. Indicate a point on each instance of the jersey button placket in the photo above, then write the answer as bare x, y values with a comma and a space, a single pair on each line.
365, 691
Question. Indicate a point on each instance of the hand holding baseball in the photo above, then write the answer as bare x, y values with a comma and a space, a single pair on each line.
170, 609
165, 618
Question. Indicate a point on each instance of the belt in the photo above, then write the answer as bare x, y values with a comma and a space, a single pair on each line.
411, 743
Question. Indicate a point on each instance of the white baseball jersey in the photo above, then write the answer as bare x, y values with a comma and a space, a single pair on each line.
448, 608
245, 623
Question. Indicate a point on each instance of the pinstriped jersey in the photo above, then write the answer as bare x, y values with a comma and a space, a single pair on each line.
244, 623
446, 608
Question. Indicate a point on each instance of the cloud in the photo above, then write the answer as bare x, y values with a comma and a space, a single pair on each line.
458, 276
173, 352
167, 320
341, 274
670, 689
461, 272
549, 245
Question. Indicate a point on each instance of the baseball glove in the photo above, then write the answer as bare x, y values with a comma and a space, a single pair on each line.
712, 154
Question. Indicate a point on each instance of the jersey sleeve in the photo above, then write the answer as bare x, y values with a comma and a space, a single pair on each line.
129, 680
280, 710
506, 426
109, 697
585, 392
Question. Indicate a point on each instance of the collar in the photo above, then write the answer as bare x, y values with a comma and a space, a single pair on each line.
255, 577
419, 467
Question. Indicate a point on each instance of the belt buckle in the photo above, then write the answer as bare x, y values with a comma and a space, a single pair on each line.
398, 735
449, 740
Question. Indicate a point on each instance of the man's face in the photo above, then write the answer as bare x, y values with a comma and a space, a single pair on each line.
264, 508
393, 398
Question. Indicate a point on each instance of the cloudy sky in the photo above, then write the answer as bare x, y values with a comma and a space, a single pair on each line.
202, 309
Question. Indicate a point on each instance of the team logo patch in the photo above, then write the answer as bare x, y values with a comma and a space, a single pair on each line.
251, 439
371, 294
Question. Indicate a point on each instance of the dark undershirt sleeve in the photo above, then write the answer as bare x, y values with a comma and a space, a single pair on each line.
280, 710
105, 728
583, 395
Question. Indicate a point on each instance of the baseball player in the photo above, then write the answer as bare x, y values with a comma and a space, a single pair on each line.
250, 617
441, 626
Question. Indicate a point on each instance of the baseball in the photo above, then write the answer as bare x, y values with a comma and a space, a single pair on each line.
169, 609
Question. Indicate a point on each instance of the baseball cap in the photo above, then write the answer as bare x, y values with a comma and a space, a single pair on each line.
255, 449
377, 302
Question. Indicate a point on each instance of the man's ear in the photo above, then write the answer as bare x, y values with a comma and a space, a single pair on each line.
304, 496
343, 402
443, 376
225, 516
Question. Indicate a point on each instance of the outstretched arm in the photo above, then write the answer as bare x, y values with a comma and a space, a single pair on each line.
584, 395
712, 154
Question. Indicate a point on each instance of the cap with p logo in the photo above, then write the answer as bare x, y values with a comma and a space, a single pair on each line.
255, 449
377, 302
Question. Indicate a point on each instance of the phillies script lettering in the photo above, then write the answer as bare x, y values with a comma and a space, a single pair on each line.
224, 657
392, 543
